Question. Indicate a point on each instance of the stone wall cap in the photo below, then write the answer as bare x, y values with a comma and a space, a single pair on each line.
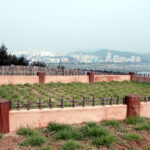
132, 95
2, 100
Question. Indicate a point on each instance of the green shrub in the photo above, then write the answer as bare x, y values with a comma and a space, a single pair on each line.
93, 130
106, 140
71, 145
68, 134
57, 127
46, 148
113, 123
1, 135
34, 141
132, 137
142, 127
135, 120
26, 131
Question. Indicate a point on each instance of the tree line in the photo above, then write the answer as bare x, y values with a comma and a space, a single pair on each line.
9, 59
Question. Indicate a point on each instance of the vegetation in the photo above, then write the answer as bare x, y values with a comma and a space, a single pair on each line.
38, 63
1, 135
71, 145
144, 126
135, 120
77, 90
113, 123
132, 137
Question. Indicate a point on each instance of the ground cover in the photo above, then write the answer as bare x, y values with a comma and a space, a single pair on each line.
56, 91
87, 136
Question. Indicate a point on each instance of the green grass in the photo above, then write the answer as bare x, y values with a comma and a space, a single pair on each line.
46, 148
71, 145
135, 120
34, 141
132, 137
74, 89
26, 131
144, 126
106, 140
1, 135
113, 123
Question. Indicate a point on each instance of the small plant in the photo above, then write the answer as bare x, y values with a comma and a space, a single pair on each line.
46, 148
57, 127
135, 120
1, 135
34, 141
26, 131
142, 127
132, 137
113, 123
107, 140
68, 134
71, 145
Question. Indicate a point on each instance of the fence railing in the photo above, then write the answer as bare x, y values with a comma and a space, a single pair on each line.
143, 75
65, 103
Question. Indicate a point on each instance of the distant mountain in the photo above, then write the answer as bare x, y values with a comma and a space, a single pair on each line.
103, 52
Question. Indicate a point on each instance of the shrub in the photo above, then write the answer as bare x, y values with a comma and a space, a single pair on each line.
34, 141
1, 135
68, 134
107, 140
57, 127
132, 137
46, 148
113, 123
135, 120
142, 127
71, 145
26, 131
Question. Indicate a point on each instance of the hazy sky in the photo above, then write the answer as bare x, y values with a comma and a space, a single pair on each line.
74, 25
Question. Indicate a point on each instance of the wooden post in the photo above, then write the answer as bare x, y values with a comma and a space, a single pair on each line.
4, 116
91, 77
133, 105
131, 74
41, 77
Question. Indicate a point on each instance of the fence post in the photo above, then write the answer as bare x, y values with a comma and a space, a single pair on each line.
131, 74
91, 77
4, 116
133, 105
41, 77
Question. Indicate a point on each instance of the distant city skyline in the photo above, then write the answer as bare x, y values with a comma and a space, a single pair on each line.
75, 25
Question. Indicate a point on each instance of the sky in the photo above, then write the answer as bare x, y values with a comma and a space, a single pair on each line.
75, 25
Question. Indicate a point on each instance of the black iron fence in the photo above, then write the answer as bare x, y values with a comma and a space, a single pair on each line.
143, 75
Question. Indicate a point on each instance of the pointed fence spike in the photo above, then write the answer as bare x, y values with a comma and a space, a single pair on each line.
73, 102
50, 103
93, 101
62, 103
28, 104
83, 102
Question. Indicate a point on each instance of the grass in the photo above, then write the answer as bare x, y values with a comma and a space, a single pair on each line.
144, 126
71, 145
77, 90
34, 141
46, 148
113, 123
26, 131
135, 120
132, 137
1, 135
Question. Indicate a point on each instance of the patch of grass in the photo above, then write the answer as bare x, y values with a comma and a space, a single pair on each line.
26, 131
71, 145
132, 137
57, 127
106, 140
46, 148
68, 134
113, 123
144, 126
34, 141
1, 135
135, 120
147, 148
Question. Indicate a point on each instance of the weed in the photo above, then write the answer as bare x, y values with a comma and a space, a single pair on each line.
135, 120
1, 135
132, 137
71, 145
144, 126
46, 148
113, 123
106, 140
34, 141
26, 131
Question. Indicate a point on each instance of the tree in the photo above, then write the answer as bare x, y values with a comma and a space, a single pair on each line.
38, 63
3, 55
